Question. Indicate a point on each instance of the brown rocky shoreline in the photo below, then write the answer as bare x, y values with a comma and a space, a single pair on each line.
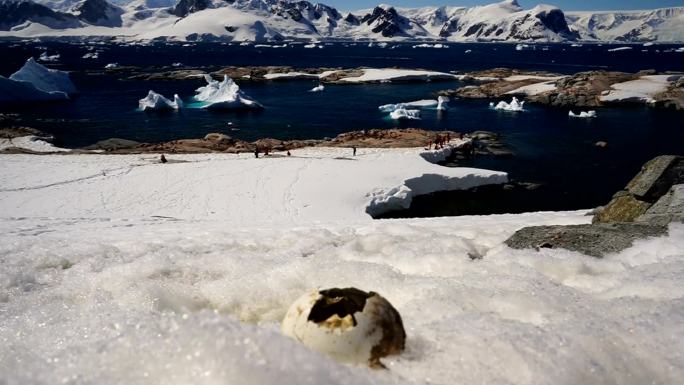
221, 143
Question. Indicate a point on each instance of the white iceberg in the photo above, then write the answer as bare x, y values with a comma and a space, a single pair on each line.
515, 105
34, 82
425, 103
91, 55
44, 79
442, 102
48, 58
224, 95
111, 66
156, 102
404, 114
318, 88
582, 114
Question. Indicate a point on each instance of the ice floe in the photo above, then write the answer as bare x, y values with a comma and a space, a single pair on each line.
156, 102
582, 114
112, 66
318, 88
442, 103
371, 75
224, 95
515, 105
405, 114
48, 58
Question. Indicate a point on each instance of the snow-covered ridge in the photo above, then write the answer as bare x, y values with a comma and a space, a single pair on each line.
275, 20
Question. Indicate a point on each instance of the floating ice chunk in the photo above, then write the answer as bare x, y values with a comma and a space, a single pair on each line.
22, 91
425, 103
404, 114
90, 55
442, 102
48, 58
179, 64
522, 47
382, 45
157, 102
318, 88
582, 114
44, 79
515, 105
112, 66
310, 45
620, 49
468, 51
224, 95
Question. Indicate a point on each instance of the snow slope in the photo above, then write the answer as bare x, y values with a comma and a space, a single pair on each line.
274, 20
167, 301
314, 184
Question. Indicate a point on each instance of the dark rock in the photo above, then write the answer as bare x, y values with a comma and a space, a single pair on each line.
595, 240
653, 181
99, 12
186, 7
13, 13
113, 144
669, 208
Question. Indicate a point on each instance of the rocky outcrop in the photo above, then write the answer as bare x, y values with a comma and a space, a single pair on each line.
14, 13
186, 7
652, 200
651, 184
99, 12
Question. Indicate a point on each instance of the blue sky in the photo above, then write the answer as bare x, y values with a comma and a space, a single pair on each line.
570, 5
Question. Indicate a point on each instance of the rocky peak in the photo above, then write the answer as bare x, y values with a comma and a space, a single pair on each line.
99, 12
186, 7
386, 21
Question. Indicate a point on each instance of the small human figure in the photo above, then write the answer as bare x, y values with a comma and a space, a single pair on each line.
256, 152
354, 150
448, 139
288, 153
460, 136
163, 159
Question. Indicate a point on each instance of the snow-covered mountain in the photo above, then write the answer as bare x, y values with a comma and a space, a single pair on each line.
275, 20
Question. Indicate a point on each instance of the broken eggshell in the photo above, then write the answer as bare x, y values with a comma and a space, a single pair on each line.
349, 325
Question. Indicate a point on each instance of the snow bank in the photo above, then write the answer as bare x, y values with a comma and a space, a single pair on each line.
404, 114
371, 75
224, 95
44, 79
165, 301
641, 90
582, 114
156, 102
534, 89
31, 143
514, 106
313, 184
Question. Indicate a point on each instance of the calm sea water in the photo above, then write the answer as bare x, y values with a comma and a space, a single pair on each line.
550, 148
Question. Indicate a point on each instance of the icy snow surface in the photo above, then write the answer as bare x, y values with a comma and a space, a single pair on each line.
121, 270
640, 90
223, 95
390, 74
156, 102
31, 143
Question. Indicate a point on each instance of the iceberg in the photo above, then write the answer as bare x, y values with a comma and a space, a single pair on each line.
48, 58
224, 95
582, 114
112, 66
442, 103
34, 82
44, 79
515, 105
425, 103
22, 91
156, 102
404, 114
318, 88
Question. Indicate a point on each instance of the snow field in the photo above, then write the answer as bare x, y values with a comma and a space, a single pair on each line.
158, 300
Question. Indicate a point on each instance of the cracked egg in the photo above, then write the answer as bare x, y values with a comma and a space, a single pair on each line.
349, 325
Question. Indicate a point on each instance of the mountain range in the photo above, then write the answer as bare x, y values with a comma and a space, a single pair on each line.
278, 20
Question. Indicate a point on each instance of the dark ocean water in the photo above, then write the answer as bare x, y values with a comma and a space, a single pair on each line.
550, 148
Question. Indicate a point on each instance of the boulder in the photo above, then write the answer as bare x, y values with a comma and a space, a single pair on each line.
596, 240
653, 181
669, 208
